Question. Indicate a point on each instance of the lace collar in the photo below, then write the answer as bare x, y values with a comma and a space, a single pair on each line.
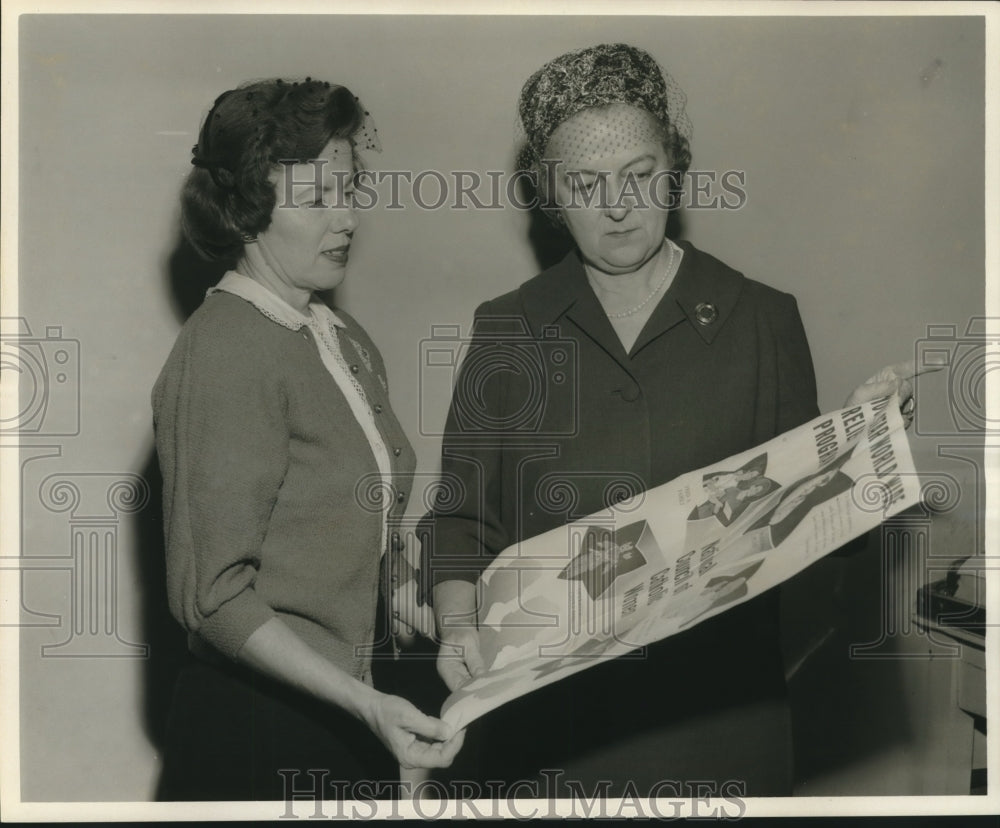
270, 304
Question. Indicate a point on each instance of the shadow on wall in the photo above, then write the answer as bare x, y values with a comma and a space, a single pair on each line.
166, 640
187, 277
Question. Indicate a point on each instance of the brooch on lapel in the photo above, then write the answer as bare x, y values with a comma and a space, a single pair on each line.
705, 313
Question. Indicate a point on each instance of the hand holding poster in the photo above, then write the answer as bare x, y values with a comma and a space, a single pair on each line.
675, 555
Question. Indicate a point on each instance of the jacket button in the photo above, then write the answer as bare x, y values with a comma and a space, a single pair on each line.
378, 409
401, 497
354, 369
397, 451
630, 393
397, 542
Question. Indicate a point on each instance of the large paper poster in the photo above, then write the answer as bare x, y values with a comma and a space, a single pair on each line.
682, 552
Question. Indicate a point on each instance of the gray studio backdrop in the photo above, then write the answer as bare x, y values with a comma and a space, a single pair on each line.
862, 145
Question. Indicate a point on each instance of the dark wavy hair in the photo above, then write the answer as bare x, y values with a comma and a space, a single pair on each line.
249, 130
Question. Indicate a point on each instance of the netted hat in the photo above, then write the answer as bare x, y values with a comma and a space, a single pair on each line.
610, 73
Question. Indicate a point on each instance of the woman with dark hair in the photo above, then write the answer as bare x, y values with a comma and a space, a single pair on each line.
272, 422
671, 361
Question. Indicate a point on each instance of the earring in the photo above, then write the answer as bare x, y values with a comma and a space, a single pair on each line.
248, 238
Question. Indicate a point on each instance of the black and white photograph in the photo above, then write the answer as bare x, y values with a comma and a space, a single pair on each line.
311, 311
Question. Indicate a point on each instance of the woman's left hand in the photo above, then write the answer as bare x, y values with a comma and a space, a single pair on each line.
893, 379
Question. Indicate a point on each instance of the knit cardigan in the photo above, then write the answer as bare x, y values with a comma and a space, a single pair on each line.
268, 481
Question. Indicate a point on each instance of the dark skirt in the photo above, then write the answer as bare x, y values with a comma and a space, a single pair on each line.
234, 734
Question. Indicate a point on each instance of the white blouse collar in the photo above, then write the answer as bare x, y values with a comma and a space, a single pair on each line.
270, 304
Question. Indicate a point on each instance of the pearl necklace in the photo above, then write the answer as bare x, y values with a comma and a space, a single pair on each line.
667, 273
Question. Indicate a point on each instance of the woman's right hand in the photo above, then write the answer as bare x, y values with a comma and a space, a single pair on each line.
415, 739
892, 379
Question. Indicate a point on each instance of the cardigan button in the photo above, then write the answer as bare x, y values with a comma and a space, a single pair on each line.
397, 542
401, 497
378, 409
396, 452
354, 369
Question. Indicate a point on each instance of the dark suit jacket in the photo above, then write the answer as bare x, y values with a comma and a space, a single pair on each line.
533, 452
551, 420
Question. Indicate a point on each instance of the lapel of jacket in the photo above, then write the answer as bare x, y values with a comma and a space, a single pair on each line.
562, 290
701, 294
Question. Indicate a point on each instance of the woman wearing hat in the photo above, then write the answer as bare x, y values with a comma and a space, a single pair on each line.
655, 359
